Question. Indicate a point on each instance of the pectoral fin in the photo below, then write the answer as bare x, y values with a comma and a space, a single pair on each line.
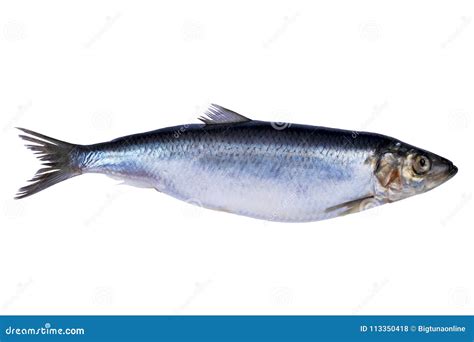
355, 205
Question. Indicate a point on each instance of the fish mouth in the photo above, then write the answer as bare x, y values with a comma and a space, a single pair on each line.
447, 175
452, 170
448, 172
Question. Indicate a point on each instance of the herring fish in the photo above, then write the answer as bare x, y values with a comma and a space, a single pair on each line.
263, 170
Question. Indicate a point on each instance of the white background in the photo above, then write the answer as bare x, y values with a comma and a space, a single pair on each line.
91, 71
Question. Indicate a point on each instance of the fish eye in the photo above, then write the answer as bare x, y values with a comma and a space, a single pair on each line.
422, 164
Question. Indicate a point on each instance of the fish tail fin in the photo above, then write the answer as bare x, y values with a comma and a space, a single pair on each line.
59, 159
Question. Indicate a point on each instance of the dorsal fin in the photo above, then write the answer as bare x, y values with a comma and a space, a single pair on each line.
216, 115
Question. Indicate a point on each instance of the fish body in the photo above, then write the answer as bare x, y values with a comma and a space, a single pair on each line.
294, 173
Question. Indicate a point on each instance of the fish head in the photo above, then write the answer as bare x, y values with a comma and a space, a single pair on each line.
403, 170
